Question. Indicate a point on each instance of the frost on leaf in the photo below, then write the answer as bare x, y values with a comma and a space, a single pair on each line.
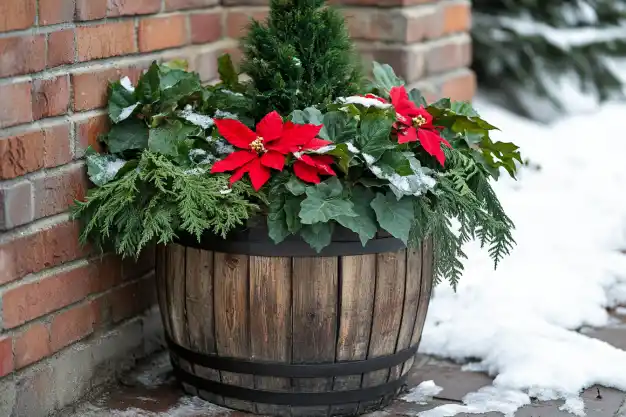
127, 84
197, 119
103, 168
363, 101
415, 184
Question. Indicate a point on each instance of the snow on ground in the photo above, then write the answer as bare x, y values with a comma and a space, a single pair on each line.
519, 323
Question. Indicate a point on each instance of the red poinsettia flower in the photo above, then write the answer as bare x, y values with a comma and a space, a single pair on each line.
415, 123
382, 100
264, 149
308, 167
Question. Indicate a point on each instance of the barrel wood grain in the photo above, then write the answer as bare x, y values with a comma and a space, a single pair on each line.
294, 310
232, 319
387, 317
270, 325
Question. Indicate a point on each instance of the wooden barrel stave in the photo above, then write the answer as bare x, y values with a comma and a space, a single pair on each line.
274, 309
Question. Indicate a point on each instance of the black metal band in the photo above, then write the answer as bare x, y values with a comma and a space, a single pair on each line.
285, 370
291, 398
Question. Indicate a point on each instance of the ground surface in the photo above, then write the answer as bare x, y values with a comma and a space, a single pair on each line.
150, 391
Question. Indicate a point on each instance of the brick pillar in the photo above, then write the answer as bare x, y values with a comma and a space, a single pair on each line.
69, 318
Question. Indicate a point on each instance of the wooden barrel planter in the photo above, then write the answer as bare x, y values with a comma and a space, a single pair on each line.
282, 330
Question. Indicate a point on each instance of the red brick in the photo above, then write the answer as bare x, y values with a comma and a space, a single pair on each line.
35, 299
188, 4
32, 345
423, 23
106, 40
22, 55
6, 355
245, 2
91, 9
72, 325
377, 3
205, 64
52, 12
55, 192
133, 7
21, 154
129, 300
91, 88
88, 132
40, 250
237, 21
20, 111
206, 27
135, 268
449, 54
408, 62
457, 17
16, 15
57, 150
51, 97
61, 48
162, 33
461, 86
16, 207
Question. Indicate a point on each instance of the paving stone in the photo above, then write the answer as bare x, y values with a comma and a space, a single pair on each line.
449, 376
606, 406
614, 334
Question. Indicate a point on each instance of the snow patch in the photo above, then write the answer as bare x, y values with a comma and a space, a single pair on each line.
519, 323
422, 393
574, 405
127, 111
485, 400
220, 114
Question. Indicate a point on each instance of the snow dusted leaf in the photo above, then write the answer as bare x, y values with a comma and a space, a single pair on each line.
395, 216
165, 139
364, 224
127, 84
197, 119
102, 168
363, 101
317, 235
122, 102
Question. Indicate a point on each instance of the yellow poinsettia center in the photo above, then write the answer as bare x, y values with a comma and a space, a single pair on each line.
257, 145
419, 121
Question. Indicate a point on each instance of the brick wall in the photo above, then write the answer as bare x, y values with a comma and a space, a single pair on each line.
69, 317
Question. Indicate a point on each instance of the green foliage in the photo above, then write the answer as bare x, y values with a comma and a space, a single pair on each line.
300, 57
155, 183
156, 201
522, 47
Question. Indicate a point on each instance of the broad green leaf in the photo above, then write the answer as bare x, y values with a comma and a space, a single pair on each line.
394, 216
325, 202
122, 102
226, 69
295, 186
102, 168
385, 77
277, 221
339, 127
416, 97
292, 208
182, 89
309, 115
148, 89
397, 161
464, 108
342, 155
166, 138
127, 135
318, 235
441, 104
364, 224
373, 138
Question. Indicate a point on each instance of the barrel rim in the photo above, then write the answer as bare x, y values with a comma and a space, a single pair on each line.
253, 240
